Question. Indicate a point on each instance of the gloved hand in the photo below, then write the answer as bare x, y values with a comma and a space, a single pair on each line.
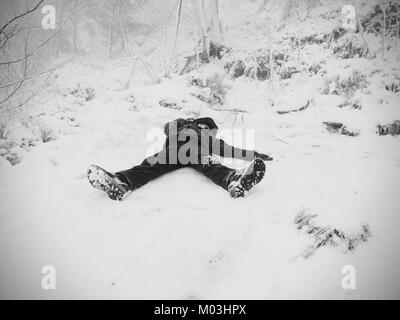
262, 156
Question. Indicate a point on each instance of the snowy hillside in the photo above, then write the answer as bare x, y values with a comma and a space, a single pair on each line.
181, 236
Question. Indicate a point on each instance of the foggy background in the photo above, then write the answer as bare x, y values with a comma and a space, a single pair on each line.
84, 81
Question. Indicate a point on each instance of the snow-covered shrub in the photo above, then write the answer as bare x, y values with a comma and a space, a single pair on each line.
4, 131
218, 86
170, 104
317, 38
356, 104
337, 127
4, 163
254, 64
314, 69
15, 155
7, 144
197, 82
346, 86
259, 68
335, 34
191, 62
373, 21
392, 84
328, 235
392, 129
350, 85
217, 50
131, 98
212, 90
287, 70
46, 134
79, 93
350, 46
235, 69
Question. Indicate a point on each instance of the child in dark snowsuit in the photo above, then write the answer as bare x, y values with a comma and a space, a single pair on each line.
189, 143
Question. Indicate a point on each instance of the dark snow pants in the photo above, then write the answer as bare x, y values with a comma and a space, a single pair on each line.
145, 172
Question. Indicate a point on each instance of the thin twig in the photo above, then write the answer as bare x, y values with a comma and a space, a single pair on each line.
12, 93
22, 14
34, 94
383, 30
278, 139
136, 59
37, 74
362, 35
236, 110
37, 48
9, 36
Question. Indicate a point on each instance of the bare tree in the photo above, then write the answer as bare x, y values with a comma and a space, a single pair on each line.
397, 37
19, 38
360, 28
122, 28
383, 29
215, 22
287, 10
199, 11
74, 26
111, 28
2, 30
263, 5
173, 48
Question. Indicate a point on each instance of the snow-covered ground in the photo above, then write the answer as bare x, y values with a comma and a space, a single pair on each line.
181, 236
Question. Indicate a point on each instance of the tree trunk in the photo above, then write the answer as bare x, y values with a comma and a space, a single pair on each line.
74, 28
199, 13
287, 9
216, 22
397, 37
360, 28
271, 31
123, 33
111, 30
263, 6
383, 30
171, 57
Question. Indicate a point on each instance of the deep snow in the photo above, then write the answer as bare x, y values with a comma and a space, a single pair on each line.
181, 236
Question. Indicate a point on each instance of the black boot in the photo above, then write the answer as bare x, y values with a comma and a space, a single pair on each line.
246, 178
110, 183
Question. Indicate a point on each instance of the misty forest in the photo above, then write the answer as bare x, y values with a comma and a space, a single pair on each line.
317, 82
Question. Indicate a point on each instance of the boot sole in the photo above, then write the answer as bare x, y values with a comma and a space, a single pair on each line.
253, 175
104, 181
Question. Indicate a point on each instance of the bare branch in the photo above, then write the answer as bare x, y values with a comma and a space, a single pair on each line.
21, 15
145, 64
40, 46
8, 36
362, 34
37, 74
12, 93
178, 19
32, 52
35, 93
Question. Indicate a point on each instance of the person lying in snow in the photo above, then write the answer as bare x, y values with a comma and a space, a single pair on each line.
189, 143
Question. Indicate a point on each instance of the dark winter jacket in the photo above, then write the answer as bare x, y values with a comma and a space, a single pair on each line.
184, 133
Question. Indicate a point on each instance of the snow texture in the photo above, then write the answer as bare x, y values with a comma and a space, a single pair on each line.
181, 236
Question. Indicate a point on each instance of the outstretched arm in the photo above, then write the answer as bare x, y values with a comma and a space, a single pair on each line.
225, 150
